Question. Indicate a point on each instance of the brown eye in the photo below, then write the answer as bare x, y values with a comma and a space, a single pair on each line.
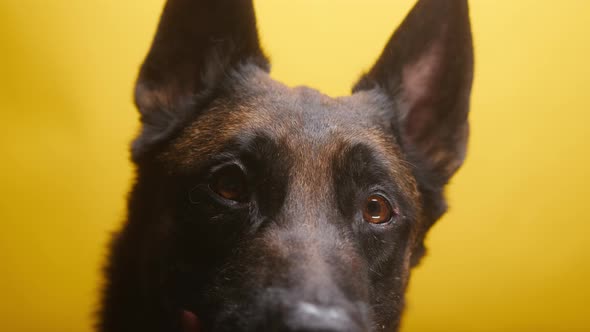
377, 210
230, 183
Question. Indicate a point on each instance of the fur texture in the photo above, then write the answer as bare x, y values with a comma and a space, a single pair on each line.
296, 253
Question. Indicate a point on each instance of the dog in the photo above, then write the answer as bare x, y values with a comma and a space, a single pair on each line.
260, 207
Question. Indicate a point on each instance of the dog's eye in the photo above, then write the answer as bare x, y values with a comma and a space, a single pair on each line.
230, 183
378, 210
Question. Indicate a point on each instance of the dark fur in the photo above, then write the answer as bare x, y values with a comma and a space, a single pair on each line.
206, 100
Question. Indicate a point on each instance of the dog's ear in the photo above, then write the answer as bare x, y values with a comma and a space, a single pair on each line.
426, 69
197, 43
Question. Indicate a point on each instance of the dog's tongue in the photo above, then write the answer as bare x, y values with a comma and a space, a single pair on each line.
190, 322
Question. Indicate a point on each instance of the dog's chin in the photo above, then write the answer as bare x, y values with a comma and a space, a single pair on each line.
190, 322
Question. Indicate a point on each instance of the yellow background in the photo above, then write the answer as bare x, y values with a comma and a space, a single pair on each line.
512, 255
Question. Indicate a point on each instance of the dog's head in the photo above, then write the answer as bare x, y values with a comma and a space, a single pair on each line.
260, 207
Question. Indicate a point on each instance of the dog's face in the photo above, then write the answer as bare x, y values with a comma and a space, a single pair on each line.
290, 207
260, 207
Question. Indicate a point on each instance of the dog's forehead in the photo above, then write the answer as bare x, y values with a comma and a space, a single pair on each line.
304, 122
264, 103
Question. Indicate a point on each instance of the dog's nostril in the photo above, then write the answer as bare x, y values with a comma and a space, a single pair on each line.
312, 311
308, 317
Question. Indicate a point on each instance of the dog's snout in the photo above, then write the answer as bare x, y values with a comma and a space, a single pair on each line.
308, 317
313, 311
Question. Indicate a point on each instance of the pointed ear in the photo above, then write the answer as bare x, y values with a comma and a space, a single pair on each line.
197, 43
426, 69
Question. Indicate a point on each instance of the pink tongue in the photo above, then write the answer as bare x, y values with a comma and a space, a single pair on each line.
190, 322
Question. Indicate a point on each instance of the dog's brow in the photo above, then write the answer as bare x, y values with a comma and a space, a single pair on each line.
371, 163
366, 161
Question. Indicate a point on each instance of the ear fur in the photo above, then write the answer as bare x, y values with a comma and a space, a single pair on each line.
197, 44
426, 68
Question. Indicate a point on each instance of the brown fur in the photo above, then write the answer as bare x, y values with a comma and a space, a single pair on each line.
296, 253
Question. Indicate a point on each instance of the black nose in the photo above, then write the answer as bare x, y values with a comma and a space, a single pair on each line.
310, 317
